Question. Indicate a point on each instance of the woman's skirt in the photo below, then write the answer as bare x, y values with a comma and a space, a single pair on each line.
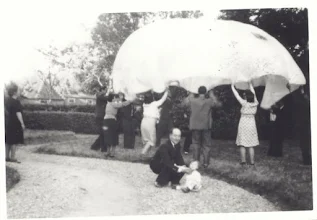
148, 130
14, 134
247, 132
110, 130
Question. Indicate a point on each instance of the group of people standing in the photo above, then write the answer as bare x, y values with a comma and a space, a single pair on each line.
108, 107
149, 116
155, 120
169, 164
153, 116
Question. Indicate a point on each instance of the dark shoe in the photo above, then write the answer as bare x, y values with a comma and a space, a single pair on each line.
15, 161
186, 190
8, 160
175, 186
205, 166
243, 163
111, 153
252, 166
156, 184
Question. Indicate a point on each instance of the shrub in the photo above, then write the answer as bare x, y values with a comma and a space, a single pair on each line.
62, 108
225, 119
78, 122
12, 178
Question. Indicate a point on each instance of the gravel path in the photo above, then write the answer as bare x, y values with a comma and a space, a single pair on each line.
60, 186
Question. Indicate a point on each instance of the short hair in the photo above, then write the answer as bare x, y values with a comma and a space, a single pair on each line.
148, 98
111, 97
249, 96
202, 90
172, 129
12, 88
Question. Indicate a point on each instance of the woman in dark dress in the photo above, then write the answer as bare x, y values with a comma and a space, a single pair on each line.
14, 124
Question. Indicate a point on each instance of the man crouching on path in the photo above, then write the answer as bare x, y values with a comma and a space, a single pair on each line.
168, 162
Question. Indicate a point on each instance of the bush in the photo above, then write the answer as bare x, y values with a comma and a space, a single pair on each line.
12, 178
77, 122
62, 108
225, 119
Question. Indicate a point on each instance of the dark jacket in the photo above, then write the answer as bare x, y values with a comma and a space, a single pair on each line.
101, 102
168, 155
126, 112
166, 110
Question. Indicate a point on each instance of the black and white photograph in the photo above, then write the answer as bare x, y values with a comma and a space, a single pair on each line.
156, 112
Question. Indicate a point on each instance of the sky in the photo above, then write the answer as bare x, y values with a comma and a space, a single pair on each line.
38, 24
35, 24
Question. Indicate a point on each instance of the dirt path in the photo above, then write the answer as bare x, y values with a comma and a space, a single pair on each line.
56, 186
60, 186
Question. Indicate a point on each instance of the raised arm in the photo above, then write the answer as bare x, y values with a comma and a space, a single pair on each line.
215, 101
236, 94
102, 96
253, 91
186, 100
162, 100
120, 104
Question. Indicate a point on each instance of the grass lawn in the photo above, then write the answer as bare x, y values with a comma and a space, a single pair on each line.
283, 181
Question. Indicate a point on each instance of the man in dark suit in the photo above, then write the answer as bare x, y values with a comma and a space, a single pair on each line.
303, 117
127, 125
101, 102
279, 128
168, 162
166, 121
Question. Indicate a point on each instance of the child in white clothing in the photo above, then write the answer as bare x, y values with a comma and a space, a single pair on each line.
192, 179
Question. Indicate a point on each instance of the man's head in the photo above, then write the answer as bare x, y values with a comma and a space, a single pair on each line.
248, 96
175, 135
202, 90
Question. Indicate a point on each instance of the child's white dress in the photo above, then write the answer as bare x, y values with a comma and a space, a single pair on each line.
193, 181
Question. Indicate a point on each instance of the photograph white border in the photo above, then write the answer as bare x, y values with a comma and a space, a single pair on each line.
12, 7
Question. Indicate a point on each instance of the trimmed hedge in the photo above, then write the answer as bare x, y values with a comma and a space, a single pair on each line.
81, 119
62, 108
225, 123
77, 122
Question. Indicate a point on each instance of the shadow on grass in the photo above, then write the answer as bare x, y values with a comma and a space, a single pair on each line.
283, 181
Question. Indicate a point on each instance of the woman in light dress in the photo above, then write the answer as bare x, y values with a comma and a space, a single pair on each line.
247, 137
